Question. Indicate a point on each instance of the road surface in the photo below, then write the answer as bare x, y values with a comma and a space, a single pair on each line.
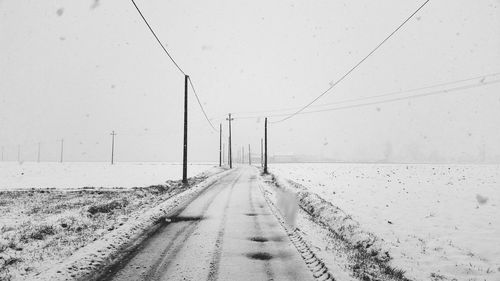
227, 233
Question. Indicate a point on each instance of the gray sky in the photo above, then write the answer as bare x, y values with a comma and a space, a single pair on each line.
79, 69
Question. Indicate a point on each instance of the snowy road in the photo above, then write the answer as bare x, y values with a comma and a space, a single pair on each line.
227, 233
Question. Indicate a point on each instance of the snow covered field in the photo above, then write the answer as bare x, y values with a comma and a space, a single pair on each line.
91, 174
439, 222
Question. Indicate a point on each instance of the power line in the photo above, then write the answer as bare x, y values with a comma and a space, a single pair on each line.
376, 96
408, 97
201, 106
411, 90
177, 65
157, 39
444, 91
355, 66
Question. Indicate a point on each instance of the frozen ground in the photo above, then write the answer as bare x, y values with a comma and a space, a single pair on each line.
94, 174
439, 222
39, 228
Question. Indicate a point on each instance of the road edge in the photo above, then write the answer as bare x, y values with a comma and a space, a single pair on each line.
92, 261
335, 220
318, 268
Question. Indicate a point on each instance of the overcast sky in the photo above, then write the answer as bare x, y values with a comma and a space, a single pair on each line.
79, 69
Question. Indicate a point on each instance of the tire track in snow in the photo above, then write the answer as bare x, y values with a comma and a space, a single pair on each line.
315, 265
123, 262
169, 254
213, 273
267, 264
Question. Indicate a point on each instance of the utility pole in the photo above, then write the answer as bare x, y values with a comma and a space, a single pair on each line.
230, 154
38, 158
261, 153
265, 149
249, 156
220, 145
62, 149
242, 154
185, 151
113, 134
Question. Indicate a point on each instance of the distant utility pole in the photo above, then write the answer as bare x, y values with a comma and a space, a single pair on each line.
261, 152
220, 144
62, 149
265, 149
38, 158
185, 151
113, 134
18, 153
249, 156
230, 154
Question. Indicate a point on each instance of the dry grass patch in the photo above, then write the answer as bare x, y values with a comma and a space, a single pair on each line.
41, 227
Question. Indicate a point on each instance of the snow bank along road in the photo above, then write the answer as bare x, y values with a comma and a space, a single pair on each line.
227, 233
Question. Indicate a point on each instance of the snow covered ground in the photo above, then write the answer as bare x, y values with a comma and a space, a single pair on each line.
40, 228
439, 222
92, 174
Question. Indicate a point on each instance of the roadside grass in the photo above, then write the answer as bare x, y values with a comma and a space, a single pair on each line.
365, 262
366, 267
41, 227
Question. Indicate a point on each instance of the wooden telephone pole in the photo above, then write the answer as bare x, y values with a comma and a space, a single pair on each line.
249, 156
265, 148
113, 134
261, 152
230, 154
185, 151
220, 145
62, 150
